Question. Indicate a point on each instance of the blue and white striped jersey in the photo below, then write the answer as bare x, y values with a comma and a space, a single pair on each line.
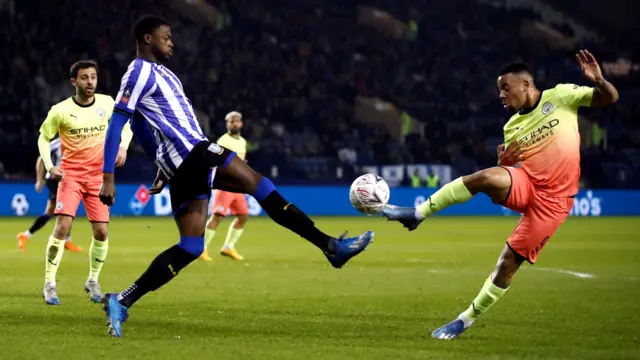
153, 97
56, 154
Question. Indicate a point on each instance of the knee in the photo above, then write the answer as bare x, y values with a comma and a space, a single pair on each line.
100, 233
264, 187
194, 245
62, 228
506, 268
486, 180
241, 220
50, 208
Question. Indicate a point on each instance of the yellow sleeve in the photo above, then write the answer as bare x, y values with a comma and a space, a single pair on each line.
127, 134
51, 124
574, 95
48, 131
44, 147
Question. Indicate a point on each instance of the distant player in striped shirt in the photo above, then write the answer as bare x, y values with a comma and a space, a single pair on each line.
229, 203
44, 178
164, 123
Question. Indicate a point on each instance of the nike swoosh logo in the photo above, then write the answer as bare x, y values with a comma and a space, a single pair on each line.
98, 260
473, 305
52, 263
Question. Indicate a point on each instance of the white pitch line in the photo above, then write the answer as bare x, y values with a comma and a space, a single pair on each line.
580, 275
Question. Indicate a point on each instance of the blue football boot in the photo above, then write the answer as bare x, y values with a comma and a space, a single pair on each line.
346, 248
450, 331
404, 215
116, 314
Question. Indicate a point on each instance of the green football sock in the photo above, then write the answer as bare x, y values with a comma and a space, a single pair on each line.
208, 236
55, 250
454, 192
97, 255
232, 236
489, 295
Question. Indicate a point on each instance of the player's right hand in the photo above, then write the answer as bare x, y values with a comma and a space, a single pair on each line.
159, 183
108, 190
56, 173
511, 155
39, 186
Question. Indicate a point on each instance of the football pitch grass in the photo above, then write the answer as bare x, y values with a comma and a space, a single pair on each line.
580, 301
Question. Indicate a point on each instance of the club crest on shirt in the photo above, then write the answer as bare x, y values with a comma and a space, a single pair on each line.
100, 113
547, 108
215, 148
126, 94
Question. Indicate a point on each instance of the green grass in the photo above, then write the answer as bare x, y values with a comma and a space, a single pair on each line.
285, 302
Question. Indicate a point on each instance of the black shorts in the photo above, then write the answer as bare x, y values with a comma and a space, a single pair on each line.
52, 186
194, 178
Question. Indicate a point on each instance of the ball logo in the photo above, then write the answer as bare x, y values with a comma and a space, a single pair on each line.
20, 204
363, 192
59, 205
547, 108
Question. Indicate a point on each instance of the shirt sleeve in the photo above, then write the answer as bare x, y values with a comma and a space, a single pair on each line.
44, 147
134, 86
51, 124
574, 95
126, 136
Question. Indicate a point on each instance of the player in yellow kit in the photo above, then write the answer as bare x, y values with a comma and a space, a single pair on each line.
228, 203
81, 121
542, 136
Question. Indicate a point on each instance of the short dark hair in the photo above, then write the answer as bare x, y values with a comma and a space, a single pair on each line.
146, 25
515, 68
82, 64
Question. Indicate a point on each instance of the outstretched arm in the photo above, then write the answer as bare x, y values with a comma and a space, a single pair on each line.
605, 93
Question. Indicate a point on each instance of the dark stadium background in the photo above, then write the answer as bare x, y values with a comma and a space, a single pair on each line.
333, 84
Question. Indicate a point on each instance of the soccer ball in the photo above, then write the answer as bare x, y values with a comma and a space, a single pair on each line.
369, 193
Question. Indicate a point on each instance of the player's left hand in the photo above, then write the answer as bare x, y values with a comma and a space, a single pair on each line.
121, 157
108, 189
589, 66
159, 183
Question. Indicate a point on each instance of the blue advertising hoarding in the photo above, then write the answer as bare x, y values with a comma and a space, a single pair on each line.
21, 199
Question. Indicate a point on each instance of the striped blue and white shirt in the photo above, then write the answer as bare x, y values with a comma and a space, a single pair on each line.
154, 98
56, 154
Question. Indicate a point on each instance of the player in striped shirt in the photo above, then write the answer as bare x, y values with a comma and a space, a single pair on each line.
42, 178
164, 123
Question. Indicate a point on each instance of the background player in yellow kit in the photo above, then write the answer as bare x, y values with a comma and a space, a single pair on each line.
543, 137
228, 203
44, 178
81, 121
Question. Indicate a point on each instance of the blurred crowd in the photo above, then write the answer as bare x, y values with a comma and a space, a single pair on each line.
294, 69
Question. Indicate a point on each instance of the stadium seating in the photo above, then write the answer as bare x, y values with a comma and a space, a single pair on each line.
294, 70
